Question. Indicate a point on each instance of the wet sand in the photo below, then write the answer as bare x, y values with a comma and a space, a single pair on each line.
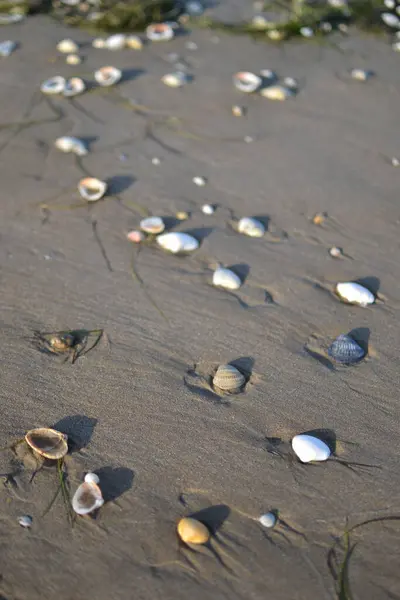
125, 404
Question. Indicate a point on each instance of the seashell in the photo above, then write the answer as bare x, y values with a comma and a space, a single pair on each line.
251, 227
152, 225
175, 80
336, 252
71, 144
361, 74
275, 35
177, 242
25, 521
226, 278
247, 82
192, 531
92, 478
310, 449
325, 26
92, 189
135, 236
390, 20
345, 350
291, 83
208, 209
268, 74
74, 87
115, 42
182, 215
354, 293
229, 379
54, 85
73, 59
133, 42
67, 46
277, 92
49, 443
8, 18
155, 160
260, 22
61, 342
238, 111
395, 161
87, 498
200, 181
268, 520
160, 32
7, 48
319, 218
99, 43
107, 76
306, 32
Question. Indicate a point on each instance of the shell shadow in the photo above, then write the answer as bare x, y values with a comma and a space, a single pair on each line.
212, 516
200, 233
89, 140
244, 364
371, 283
361, 336
264, 219
119, 184
115, 481
323, 360
325, 435
132, 74
241, 270
79, 430
190, 380
170, 222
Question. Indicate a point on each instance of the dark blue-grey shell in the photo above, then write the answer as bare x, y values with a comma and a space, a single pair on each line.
345, 350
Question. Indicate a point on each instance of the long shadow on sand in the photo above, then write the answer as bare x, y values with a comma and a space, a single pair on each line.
212, 516
79, 430
115, 481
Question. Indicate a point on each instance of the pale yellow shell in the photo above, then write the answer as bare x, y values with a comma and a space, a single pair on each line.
47, 442
61, 343
192, 531
228, 379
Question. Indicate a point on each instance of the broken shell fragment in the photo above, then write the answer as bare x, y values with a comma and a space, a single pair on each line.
67, 46
277, 92
160, 32
354, 293
7, 48
134, 42
73, 59
200, 181
135, 236
107, 76
268, 520
319, 218
310, 449
247, 82
226, 278
208, 209
152, 225
115, 42
177, 242
336, 252
87, 498
46, 442
25, 521
192, 531
71, 144
228, 379
345, 350
251, 227
92, 189
238, 111
361, 74
175, 80
61, 342
54, 85
74, 87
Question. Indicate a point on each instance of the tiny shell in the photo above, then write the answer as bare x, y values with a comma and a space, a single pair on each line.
152, 225
71, 144
238, 111
87, 498
247, 82
336, 252
309, 448
155, 160
319, 218
200, 181
54, 85
46, 442
390, 20
260, 22
251, 227
229, 379
182, 215
92, 189
360, 74
175, 80
277, 92
134, 42
73, 59
115, 42
354, 293
208, 209
275, 35
107, 76
92, 478
74, 87
61, 342
268, 74
395, 161
135, 236
7, 48
160, 32
268, 520
67, 46
226, 278
25, 521
291, 83
345, 350
99, 43
192, 531
177, 242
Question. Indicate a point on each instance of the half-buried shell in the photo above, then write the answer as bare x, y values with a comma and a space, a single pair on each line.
192, 531
106, 76
277, 92
54, 85
92, 189
88, 496
74, 87
345, 350
48, 443
152, 225
71, 144
228, 379
177, 242
310, 449
247, 82
354, 293
67, 46
175, 80
226, 278
251, 227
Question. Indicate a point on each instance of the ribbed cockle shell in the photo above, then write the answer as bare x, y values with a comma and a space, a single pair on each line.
345, 350
229, 379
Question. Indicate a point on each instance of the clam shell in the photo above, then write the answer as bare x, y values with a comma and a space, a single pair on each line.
115, 42
135, 236
25, 521
345, 350
192, 531
247, 82
46, 442
354, 293
106, 76
251, 227
7, 48
390, 20
99, 43
226, 278
276, 92
238, 111
175, 80
268, 520
229, 379
336, 252
177, 242
200, 181
54, 85
134, 42
73, 59
74, 87
152, 225
92, 478
92, 189
71, 144
208, 209
61, 342
67, 46
360, 74
87, 498
160, 32
310, 449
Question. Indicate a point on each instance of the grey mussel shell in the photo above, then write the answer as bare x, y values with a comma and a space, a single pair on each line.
229, 379
345, 350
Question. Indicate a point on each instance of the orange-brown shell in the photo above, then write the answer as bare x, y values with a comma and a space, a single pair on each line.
192, 531
47, 442
61, 343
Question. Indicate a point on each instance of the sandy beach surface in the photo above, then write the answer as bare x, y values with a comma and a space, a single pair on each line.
163, 444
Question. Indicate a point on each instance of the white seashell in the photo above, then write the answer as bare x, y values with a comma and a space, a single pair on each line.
200, 181
92, 478
73, 59
71, 144
67, 46
360, 74
229, 379
354, 293
336, 252
87, 498
155, 160
291, 83
268, 520
390, 20
7, 48
152, 225
238, 111
175, 80
276, 92
307, 32
208, 209
115, 42
246, 82
275, 34
309, 448
25, 521
226, 278
160, 32
260, 22
54, 85
134, 42
74, 87
177, 242
107, 76
92, 189
99, 43
251, 227
326, 27
395, 161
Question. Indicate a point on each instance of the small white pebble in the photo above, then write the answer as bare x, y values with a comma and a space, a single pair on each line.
306, 32
73, 59
291, 83
155, 160
395, 161
248, 139
360, 74
25, 521
200, 181
268, 520
335, 251
208, 209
